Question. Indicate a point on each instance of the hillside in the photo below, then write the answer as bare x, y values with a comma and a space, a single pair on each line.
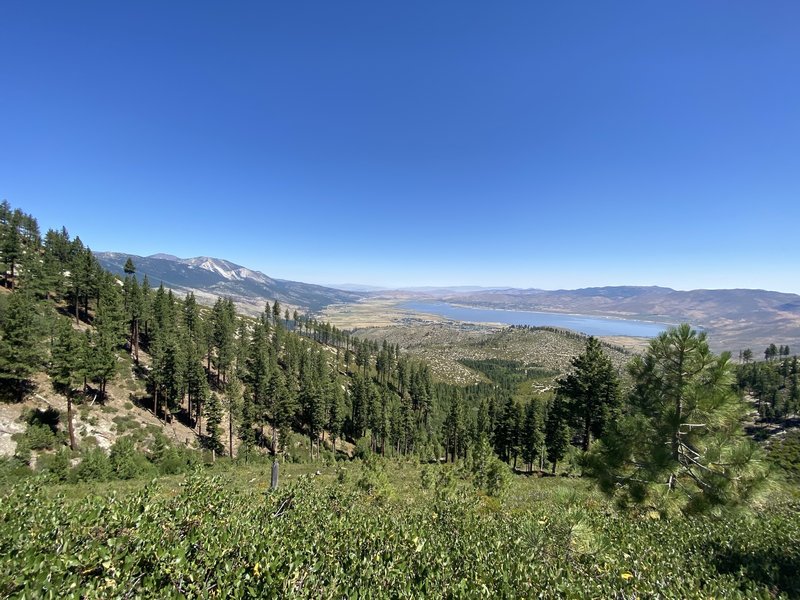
98, 422
734, 318
444, 345
210, 278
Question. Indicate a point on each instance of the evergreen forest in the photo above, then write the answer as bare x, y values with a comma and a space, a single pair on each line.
675, 476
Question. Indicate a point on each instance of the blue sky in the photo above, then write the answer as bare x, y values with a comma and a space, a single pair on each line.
533, 144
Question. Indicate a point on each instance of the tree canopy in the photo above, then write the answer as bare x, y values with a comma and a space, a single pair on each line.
681, 445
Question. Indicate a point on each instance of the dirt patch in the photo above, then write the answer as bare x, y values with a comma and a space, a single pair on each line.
9, 425
123, 411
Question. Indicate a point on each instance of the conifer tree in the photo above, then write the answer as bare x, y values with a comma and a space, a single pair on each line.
682, 446
454, 431
20, 336
246, 428
223, 324
532, 438
233, 398
134, 309
147, 305
338, 413
285, 408
11, 245
507, 430
557, 432
276, 313
213, 410
592, 392
64, 368
109, 334
54, 260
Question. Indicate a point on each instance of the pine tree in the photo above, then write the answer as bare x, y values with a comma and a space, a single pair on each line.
223, 324
454, 431
20, 337
54, 258
338, 413
682, 446
359, 396
109, 335
557, 432
276, 314
532, 438
246, 431
64, 368
794, 387
233, 398
11, 243
213, 410
285, 408
133, 303
507, 430
592, 392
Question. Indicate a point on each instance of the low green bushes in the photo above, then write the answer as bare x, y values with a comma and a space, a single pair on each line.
312, 539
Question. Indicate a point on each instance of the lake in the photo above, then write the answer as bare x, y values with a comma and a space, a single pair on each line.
584, 323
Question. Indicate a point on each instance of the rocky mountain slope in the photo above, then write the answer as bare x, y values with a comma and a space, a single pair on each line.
214, 277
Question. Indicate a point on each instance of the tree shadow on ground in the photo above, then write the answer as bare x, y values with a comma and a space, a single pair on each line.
14, 391
48, 417
776, 568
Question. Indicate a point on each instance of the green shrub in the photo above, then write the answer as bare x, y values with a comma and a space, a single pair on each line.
173, 462
341, 475
125, 423
786, 454
498, 477
13, 470
126, 461
373, 479
426, 477
22, 454
489, 473
49, 417
94, 466
170, 460
40, 437
312, 540
56, 466
363, 447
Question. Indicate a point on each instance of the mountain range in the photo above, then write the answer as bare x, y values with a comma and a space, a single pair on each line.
209, 278
734, 318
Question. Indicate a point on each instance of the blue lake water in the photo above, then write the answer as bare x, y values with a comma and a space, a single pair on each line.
583, 323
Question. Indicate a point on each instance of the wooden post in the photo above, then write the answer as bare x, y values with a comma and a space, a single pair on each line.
274, 483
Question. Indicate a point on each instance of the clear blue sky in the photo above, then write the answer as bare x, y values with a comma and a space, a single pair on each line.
533, 144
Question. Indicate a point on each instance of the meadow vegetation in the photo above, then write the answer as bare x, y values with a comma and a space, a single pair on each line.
380, 528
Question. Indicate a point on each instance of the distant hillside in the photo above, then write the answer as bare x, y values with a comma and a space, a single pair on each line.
444, 346
213, 277
734, 318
